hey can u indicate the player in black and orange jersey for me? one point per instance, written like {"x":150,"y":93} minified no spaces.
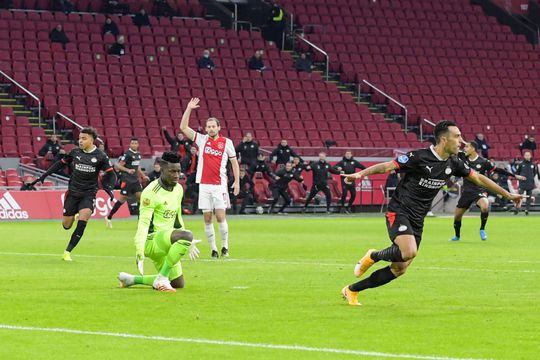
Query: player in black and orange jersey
{"x":130,"y":170}
{"x":424,"y":172}
{"x":472,"y":193}
{"x":87,"y":161}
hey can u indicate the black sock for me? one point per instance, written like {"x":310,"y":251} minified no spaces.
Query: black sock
{"x":483,"y":219}
{"x":76,"y":236}
{"x":392,"y":254}
{"x":378,"y":278}
{"x":457,"y":227}
{"x":116,"y":207}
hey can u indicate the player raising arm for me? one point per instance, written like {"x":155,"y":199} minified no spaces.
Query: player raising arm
{"x":424,"y":171}
{"x":86,"y":161}
{"x":161,"y":234}
{"x":214,"y":152}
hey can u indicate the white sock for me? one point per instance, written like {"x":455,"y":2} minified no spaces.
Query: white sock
{"x":210,"y":235}
{"x":224,"y":232}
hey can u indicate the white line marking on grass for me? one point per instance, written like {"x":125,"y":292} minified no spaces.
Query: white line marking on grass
{"x":283,"y":262}
{"x":240,"y":287}
{"x":232,"y":343}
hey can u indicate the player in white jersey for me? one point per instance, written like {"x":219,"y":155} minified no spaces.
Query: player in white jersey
{"x":214,"y":153}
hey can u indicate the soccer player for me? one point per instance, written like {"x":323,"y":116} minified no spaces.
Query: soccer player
{"x":161,"y":234}
{"x":279,"y":189}
{"x":130,"y":170}
{"x":529,"y":169}
{"x":214,"y":152}
{"x":86,"y":161}
{"x":348,"y":165}
{"x":424,"y":171}
{"x":473,"y":194}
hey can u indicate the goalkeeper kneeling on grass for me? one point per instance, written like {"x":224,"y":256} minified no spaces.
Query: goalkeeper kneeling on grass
{"x":161,"y":235}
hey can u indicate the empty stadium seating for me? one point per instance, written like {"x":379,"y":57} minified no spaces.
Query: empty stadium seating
{"x":442,"y":59}
{"x":148,"y":87}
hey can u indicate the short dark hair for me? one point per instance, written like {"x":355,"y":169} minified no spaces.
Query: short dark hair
{"x":169,"y":157}
{"x":474,"y":144}
{"x":442,"y":129}
{"x":90,"y":131}
{"x":214,"y":119}
{"x":134,"y":138}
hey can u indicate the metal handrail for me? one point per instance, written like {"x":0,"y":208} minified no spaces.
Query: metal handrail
{"x":301,"y":37}
{"x":73,"y":122}
{"x":26,"y":91}
{"x":422,"y":127}
{"x":390,"y":98}
{"x":236,"y":22}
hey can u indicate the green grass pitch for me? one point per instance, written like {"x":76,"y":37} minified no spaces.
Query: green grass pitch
{"x":278,"y":297}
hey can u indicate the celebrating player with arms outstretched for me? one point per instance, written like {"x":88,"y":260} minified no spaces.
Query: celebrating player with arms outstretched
{"x":472,"y":193}
{"x":161,"y":234}
{"x":87,"y":161}
{"x":425,"y":172}
{"x":214,"y":152}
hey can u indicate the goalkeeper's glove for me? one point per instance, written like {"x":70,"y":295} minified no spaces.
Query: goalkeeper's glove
{"x":139,"y":260}
{"x":194,"y":250}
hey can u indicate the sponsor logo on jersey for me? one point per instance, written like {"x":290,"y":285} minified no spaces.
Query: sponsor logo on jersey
{"x":10,"y":208}
{"x":402,"y":228}
{"x":94,"y":160}
{"x":448,"y":171}
{"x":146,"y":201}
{"x":210,"y":151}
{"x":403,"y":159}
{"x":432,"y":183}
{"x":85,"y":168}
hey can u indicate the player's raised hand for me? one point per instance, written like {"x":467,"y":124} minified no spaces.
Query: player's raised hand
{"x":193,"y":103}
{"x":350,"y":178}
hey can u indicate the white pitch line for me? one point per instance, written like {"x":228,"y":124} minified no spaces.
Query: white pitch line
{"x":283,"y":262}
{"x":233,"y":343}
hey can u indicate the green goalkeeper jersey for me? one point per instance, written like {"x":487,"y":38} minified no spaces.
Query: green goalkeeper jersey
{"x":159,"y":210}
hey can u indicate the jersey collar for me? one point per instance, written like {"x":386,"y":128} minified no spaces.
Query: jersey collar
{"x":130,"y":149}
{"x":476,"y":158}
{"x":432,"y":148}
{"x":91,"y":150}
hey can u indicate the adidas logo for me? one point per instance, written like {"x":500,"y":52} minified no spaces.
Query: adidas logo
{"x":10,"y":209}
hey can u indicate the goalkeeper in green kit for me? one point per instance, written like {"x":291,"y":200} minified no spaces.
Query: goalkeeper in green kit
{"x":161,"y":235}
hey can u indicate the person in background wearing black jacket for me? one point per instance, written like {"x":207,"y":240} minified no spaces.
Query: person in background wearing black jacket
{"x":110,"y":27}
{"x":279,"y":189}
{"x":162,"y":8}
{"x":529,"y":170}
{"x":246,"y":192}
{"x":141,"y":18}
{"x":113,"y":6}
{"x":52,"y":146}
{"x":528,"y":144}
{"x":484,"y":147}
{"x":303,"y":64}
{"x":58,"y":35}
{"x":283,"y":153}
{"x":260,"y":166}
{"x":156,"y":172}
{"x":205,"y":62}
{"x":118,"y":47}
{"x":256,"y":61}
{"x":348,"y":165}
{"x":320,"y":180}
{"x":180,"y":144}
{"x":247,"y":150}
